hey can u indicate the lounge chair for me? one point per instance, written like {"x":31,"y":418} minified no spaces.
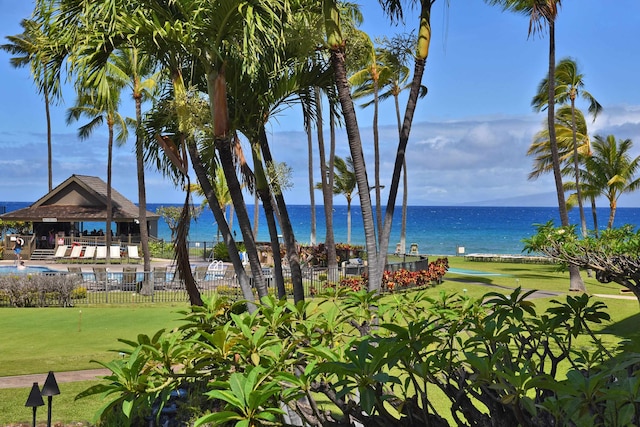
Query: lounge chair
{"x":215,"y":270}
{"x":414,"y":249}
{"x":100,"y":280}
{"x":114,"y":252}
{"x":129,"y":279}
{"x":76,"y":250}
{"x":75,"y":271}
{"x":200,"y":273}
{"x":60,"y":252}
{"x":89,"y":253}
{"x":101,"y":252}
{"x":132,"y":253}
{"x":159,"y":278}
{"x":229,"y":277}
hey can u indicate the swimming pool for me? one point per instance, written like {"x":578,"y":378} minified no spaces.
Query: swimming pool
{"x":471,"y":272}
{"x":32,"y":269}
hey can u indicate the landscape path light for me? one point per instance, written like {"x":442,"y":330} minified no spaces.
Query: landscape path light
{"x":34,"y":400}
{"x":50,"y":389}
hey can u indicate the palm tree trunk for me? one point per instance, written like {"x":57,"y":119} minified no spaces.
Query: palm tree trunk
{"x":49,"y":147}
{"x":142,"y":200}
{"x":109,"y":202}
{"x":312,"y":187}
{"x":264,"y":192}
{"x":287,"y":230}
{"x":424,"y":42}
{"x":349,"y":221}
{"x":216,"y":87}
{"x":332,"y":257}
{"x":226,"y":160}
{"x":355,"y":147}
{"x":575,"y":281}
{"x":376,"y":154}
{"x":613,"y":205}
{"x":326,"y":173}
{"x":181,"y":249}
{"x":576,"y":166}
{"x":223,"y":226}
{"x":256,"y":215}
{"x":400,"y":155}
{"x":405,"y":199}
{"x":405,"y":185}
{"x":594,"y":214}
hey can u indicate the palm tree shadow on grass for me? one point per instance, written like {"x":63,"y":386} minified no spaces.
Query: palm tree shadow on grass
{"x":626,"y":329}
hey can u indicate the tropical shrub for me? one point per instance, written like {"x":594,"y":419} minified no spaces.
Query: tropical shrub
{"x":496,"y":360}
{"x":40,"y":290}
{"x":613,"y":254}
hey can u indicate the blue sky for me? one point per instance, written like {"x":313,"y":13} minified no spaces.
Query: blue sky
{"x":470,"y":134}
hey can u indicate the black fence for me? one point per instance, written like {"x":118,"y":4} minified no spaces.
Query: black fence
{"x":163,"y":284}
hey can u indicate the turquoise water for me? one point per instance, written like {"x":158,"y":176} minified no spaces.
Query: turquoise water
{"x":9,"y":269}
{"x":471,"y":272}
{"x":435,"y":229}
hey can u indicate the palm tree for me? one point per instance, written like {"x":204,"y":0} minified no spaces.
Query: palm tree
{"x":540,"y":151}
{"x":221,"y":190}
{"x":544,"y":13}
{"x":394,"y":56}
{"x":335,"y":43}
{"x":136,"y":71}
{"x":569,"y":85}
{"x":610,"y":170}
{"x":99,"y":112}
{"x":33,"y":49}
{"x":365,"y":77}
{"x":423,"y":42}
{"x":345,"y":184}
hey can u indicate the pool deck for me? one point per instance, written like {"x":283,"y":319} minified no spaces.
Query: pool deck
{"x":114,"y":267}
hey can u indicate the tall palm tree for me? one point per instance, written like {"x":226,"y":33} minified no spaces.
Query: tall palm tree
{"x":540,"y":151}
{"x":137,"y":72}
{"x":335,"y":43}
{"x":542,"y":14}
{"x":422,"y":45}
{"x":99,"y":112}
{"x":369,"y":76}
{"x":569,"y":85}
{"x":32,"y":48}
{"x":394,"y":55}
{"x":611,"y":171}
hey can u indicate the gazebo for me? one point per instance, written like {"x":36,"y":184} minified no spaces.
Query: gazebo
{"x":64,"y":215}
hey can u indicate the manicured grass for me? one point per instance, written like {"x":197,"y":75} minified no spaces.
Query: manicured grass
{"x":64,"y":408}
{"x":36,"y":340}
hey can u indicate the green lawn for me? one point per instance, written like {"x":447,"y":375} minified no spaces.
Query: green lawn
{"x":36,"y":340}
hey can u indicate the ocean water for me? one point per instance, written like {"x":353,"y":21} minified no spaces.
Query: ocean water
{"x":435,"y":229}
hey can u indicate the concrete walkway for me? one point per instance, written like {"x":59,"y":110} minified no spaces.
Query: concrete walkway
{"x":26,"y":381}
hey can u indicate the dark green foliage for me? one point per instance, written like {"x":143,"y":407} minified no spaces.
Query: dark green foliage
{"x":496,"y":359}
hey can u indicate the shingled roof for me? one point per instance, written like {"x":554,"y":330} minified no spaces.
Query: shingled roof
{"x":79,"y":198}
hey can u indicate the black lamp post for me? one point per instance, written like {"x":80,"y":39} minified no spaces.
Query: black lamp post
{"x":50,"y":389}
{"x":34,"y":400}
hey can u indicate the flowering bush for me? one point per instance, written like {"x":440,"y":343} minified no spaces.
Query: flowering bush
{"x":402,"y":279}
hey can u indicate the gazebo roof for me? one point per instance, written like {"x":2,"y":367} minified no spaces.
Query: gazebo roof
{"x":79,"y":198}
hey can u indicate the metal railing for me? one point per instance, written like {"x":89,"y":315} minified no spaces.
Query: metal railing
{"x":163,"y":285}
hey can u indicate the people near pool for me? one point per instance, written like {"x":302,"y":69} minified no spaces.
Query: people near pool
{"x":17,"y":248}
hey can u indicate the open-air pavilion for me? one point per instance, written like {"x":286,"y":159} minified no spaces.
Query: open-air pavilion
{"x":75,"y":213}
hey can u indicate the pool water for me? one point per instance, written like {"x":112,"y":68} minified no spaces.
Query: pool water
{"x":471,"y":272}
{"x":12,"y":269}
